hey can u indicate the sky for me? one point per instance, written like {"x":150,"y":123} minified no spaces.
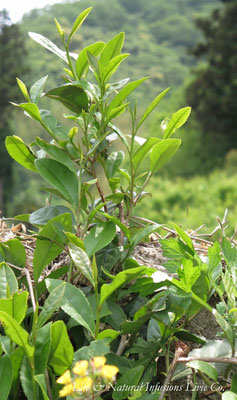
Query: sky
{"x":17,"y":8}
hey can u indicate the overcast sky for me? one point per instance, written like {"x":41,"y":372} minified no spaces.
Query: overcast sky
{"x":17,"y":8}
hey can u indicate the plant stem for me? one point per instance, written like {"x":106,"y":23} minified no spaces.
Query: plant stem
{"x":194,"y":392}
{"x":98,"y":185}
{"x":70,"y":271}
{"x":170,"y":373}
{"x":208,"y":382}
{"x":222,"y":360}
{"x":70,"y":62}
{"x":98,"y":310}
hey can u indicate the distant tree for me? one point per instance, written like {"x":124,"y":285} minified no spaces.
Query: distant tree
{"x":12,"y":65}
{"x":213,"y":93}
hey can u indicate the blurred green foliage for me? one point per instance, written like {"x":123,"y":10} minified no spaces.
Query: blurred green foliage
{"x":12,"y":63}
{"x":194,"y":201}
{"x":212,"y":94}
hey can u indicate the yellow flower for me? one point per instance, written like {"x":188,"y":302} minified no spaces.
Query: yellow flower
{"x":109,"y":371}
{"x":99,"y":361}
{"x":83,"y":384}
{"x":65,"y":378}
{"x":81,"y":368}
{"x":66,"y":390}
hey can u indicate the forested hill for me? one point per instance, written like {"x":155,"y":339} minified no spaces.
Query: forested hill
{"x":159,"y":35}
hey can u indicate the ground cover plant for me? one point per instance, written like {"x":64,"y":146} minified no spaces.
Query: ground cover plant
{"x":98,"y":324}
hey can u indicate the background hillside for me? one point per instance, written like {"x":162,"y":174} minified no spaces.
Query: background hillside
{"x":159,"y":37}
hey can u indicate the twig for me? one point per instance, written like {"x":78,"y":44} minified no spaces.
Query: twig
{"x":25,"y":270}
{"x":199,"y":228}
{"x":170,"y":373}
{"x":122,"y":219}
{"x":223,"y":360}
{"x":211,"y":392}
{"x":233,"y":236}
{"x":122,"y":345}
{"x":98,"y":184}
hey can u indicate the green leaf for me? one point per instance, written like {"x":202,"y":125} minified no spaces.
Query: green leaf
{"x":122,"y":277}
{"x":20,"y":152}
{"x":71,"y":96}
{"x":99,"y":237}
{"x":226,"y":327}
{"x":134,"y":326}
{"x":6,"y":376}
{"x":56,"y":153}
{"x":162,"y":153}
{"x":82,"y":60}
{"x":186,"y":239}
{"x":61,"y":351}
{"x":16,"y":333}
{"x":144,"y":286}
{"x":129,"y":88}
{"x":46,"y":250}
{"x":42,"y":348}
{"x":117,"y":222}
{"x":143,"y":150}
{"x":75,"y":240}
{"x":60,"y":177}
{"x":59,"y":28}
{"x":52,"y":303}
{"x":188,"y":274}
{"x":96,"y":348}
{"x":8,"y":282}
{"x":113,"y":163}
{"x":40,"y":379}
{"x":142,"y":233}
{"x":36,"y":89}
{"x":16,"y":359}
{"x":23,"y":89}
{"x":178,"y":119}
{"x":230,"y":252}
{"x":31,"y":109}
{"x":214,"y":256}
{"x":112,"y":66}
{"x":112,"y":49}
{"x":104,"y":309}
{"x":75,"y":304}
{"x":229,"y":396}
{"x":81,"y":261}
{"x":15,"y":306}
{"x":45,"y":214}
{"x":184,"y":335}
{"x":26,"y":379}
{"x":14,"y":252}
{"x":151,"y":107}
{"x":115,"y":112}
{"x":79,"y":21}
{"x":117,"y":315}
{"x":131,"y":377}
{"x":108,"y":333}
{"x":234,"y":384}
{"x":204,"y":367}
{"x":43,"y":41}
{"x":22,"y":217}
{"x":53,"y":191}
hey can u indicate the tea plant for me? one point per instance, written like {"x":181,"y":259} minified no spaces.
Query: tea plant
{"x":200,"y":279}
{"x":118,"y":311}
